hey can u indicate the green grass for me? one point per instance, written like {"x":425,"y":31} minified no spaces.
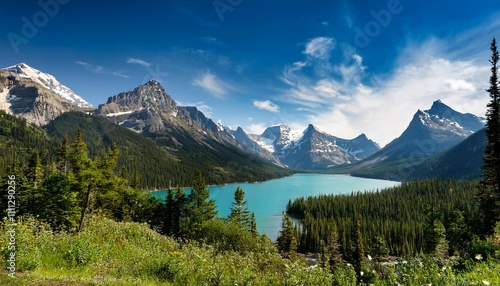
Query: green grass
{"x":117,"y":253}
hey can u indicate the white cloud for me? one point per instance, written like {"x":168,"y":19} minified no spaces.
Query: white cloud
{"x":256,"y":128}
{"x":319,"y":47}
{"x":340,"y":103}
{"x":100,"y":69}
{"x":138,"y":62}
{"x":383,"y":111}
{"x":266,"y":105}
{"x":212,"y":84}
{"x":201,"y":105}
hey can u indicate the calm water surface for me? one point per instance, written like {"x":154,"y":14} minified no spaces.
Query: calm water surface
{"x":268,"y":199}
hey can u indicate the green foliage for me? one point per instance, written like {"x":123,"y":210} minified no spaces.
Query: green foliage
{"x":227,"y":236}
{"x":239,"y":211}
{"x":286,"y":241}
{"x":396,"y":214}
{"x":158,"y":161}
{"x":488,"y":195}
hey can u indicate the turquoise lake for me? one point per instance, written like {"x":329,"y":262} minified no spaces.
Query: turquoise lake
{"x":268,"y":199}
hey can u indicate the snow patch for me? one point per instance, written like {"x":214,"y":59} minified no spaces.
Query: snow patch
{"x":4,"y":100}
{"x":266,"y":143}
{"x":119,"y":113}
{"x":49,"y":82}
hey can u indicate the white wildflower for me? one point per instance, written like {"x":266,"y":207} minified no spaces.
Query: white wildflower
{"x":486,"y":282}
{"x":479,"y":257}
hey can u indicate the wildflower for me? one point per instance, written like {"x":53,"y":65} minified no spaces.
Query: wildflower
{"x":479,"y":256}
{"x":369,"y":257}
{"x":486,"y":283}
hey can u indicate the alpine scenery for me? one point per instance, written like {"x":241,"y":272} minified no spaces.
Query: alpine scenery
{"x":249,"y":142}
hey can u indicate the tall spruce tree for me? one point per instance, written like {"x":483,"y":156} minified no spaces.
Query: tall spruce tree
{"x":286,"y":242}
{"x":253,"y":225}
{"x":359,"y":249}
{"x":239,"y":211}
{"x":200,"y":207}
{"x":489,"y":191}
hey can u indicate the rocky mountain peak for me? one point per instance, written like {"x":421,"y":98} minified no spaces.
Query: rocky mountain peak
{"x":150,"y":95}
{"x":26,"y":73}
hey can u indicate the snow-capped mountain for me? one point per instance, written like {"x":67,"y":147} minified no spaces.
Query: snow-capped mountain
{"x":149,"y":110}
{"x":27,"y":93}
{"x":429,"y":132}
{"x":49,"y":82}
{"x":314,"y":149}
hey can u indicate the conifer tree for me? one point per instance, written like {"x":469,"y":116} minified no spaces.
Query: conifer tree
{"x":286,"y":242}
{"x":239,"y":211}
{"x":359,"y":249}
{"x":200,"y":208}
{"x":169,"y":212}
{"x":179,"y":213}
{"x":380,"y":249}
{"x":63,"y":155}
{"x":489,"y":191}
{"x":253,"y":225}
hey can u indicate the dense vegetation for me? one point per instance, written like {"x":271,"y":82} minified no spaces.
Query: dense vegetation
{"x":396,"y":215}
{"x":152,"y":165}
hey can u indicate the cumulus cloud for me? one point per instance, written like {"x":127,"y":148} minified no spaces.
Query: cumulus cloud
{"x":266,"y":105}
{"x":138,"y":62}
{"x":212,"y":84}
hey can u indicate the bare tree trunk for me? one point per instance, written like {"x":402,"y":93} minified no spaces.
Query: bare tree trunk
{"x":85,"y":209}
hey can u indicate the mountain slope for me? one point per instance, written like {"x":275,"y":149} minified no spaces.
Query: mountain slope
{"x":463,"y":161}
{"x":47,"y":81}
{"x":30,"y":94}
{"x":314,"y":149}
{"x":430,"y":132}
{"x":187,"y":133}
{"x":160,"y":165}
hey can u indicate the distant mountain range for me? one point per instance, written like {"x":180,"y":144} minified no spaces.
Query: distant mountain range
{"x":185,"y":131}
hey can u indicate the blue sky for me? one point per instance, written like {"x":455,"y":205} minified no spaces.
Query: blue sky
{"x":349,"y":67}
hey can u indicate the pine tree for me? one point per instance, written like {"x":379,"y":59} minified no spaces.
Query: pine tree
{"x":239,"y":211}
{"x":179,"y":213}
{"x":489,"y":191}
{"x":359,"y":249}
{"x":200,"y":208}
{"x":286,"y":241}
{"x":63,"y":155}
{"x":253,"y":225}
{"x":169,"y":213}
{"x":380,"y":249}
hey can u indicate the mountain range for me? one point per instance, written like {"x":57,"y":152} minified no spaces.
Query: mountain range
{"x":185,"y":132}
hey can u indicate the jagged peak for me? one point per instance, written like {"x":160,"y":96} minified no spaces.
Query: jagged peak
{"x":438,"y":106}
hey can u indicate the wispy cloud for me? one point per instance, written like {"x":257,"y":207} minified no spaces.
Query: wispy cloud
{"x":138,"y":62}
{"x":98,"y":69}
{"x":212,"y":84}
{"x":346,"y":105}
{"x":266,"y":105}
{"x":212,"y":41}
{"x":201,"y":105}
{"x":384,"y":109}
{"x":319,"y":47}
